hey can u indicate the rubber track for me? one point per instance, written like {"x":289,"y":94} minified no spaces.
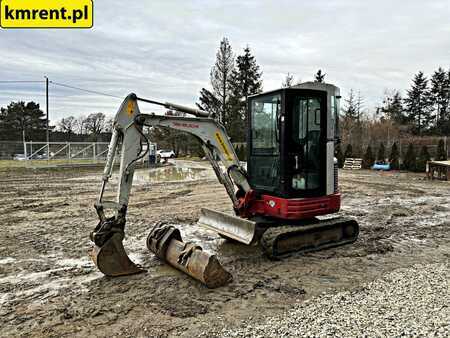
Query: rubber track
{"x":270,"y":236}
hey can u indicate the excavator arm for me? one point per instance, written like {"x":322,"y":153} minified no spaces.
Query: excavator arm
{"x":129,"y":137}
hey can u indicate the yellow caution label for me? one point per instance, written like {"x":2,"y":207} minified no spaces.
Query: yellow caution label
{"x":225,"y":150}
{"x":46,"y":13}
{"x":130,"y":108}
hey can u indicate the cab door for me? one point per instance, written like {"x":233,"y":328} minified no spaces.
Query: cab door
{"x":264,"y":147}
{"x":305,"y":136}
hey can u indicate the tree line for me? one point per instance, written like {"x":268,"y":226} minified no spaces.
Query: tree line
{"x":411,"y":160}
{"x":25,"y":121}
{"x":424,"y":111}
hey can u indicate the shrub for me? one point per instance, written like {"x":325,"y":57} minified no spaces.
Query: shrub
{"x":409,"y":162}
{"x":339,"y":155}
{"x":381,"y":156}
{"x":368,"y":158}
{"x":441,"y":153}
{"x":348,"y":151}
{"x":394,"y":157}
{"x":424,"y":157}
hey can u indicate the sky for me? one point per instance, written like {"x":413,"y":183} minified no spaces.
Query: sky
{"x":164,"y":50}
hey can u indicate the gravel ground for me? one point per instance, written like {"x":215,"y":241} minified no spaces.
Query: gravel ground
{"x":408,"y":302}
{"x":49,"y":286}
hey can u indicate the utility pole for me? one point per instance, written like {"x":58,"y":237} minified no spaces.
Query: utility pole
{"x":46,"y":104}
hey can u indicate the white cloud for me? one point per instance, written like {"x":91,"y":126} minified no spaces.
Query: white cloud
{"x":165,"y":49}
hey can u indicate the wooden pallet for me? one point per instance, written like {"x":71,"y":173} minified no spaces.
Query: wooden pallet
{"x":439,"y":170}
{"x":353,"y":163}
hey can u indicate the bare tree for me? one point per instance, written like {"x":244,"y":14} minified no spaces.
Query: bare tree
{"x":68,"y":125}
{"x":109,"y":124}
{"x":95,"y":123}
{"x":79,"y":125}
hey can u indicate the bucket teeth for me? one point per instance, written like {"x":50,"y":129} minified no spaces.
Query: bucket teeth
{"x":112,"y":260}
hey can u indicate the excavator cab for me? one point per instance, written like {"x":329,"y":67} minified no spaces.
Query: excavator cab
{"x":291,"y":140}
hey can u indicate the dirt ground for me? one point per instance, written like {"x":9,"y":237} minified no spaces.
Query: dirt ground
{"x":50,"y":288}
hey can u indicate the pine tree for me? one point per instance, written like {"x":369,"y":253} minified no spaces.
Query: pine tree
{"x":393,"y":108}
{"x":394,"y":157}
{"x":319,"y":77}
{"x":221,"y":81}
{"x":209,"y":102}
{"x":348,"y":151}
{"x":381,"y":155}
{"x":288,"y":81}
{"x":410,"y":159}
{"x":440,"y":83}
{"x":245,"y":81}
{"x":339,"y":155}
{"x":441,"y":153}
{"x":350,"y":109}
{"x":424,"y":157}
{"x":22,"y":121}
{"x":368,"y":159}
{"x":419,"y":105}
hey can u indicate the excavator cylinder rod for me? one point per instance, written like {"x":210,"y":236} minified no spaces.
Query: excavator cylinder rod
{"x":166,"y":243}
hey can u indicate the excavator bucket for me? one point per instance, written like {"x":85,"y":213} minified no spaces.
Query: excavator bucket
{"x":229,"y":226}
{"x":112,"y":260}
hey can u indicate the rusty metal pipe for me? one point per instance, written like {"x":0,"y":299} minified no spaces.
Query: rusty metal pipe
{"x":166,"y":243}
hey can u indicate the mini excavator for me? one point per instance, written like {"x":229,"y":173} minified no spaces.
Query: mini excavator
{"x":283,"y":200}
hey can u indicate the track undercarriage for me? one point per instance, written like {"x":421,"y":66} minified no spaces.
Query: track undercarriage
{"x":282,"y":238}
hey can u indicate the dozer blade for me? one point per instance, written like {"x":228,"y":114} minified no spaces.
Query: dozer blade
{"x":112,"y":260}
{"x":320,"y":234}
{"x":239,"y":229}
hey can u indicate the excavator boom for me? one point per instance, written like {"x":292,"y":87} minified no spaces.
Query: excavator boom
{"x":109,"y":254}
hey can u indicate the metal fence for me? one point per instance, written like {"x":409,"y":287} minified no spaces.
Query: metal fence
{"x":43,"y":153}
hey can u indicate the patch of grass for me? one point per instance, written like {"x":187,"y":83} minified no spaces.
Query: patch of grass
{"x":43,"y":163}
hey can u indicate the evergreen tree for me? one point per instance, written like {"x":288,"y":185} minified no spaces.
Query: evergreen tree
{"x":209,"y":102}
{"x":348,"y":151}
{"x":241,"y":152}
{"x":220,"y":76}
{"x":350,"y":109}
{"x":419,"y":105}
{"x":410,"y":159}
{"x":288,"y":81}
{"x":368,"y":158}
{"x":394,"y":157}
{"x":339,"y":155}
{"x":359,"y":106}
{"x":245,"y":81}
{"x":441,"y":152}
{"x":22,"y":121}
{"x":381,"y":156}
{"x":393,"y":108}
{"x":424,"y":157}
{"x":440,"y":83}
{"x":319,"y":77}
{"x":351,"y":121}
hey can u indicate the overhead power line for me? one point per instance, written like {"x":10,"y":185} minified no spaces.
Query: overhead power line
{"x":84,"y":90}
{"x":22,"y":81}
